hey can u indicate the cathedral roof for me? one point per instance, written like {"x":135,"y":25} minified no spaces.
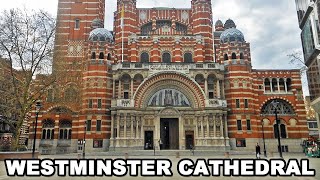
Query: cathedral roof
{"x":97,"y":23}
{"x":100,"y":34}
{"x":231,"y":33}
{"x":229,"y":24}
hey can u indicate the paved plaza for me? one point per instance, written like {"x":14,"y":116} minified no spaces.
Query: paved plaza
{"x":314,"y":164}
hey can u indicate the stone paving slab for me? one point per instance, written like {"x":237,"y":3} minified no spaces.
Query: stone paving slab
{"x":314,"y":164}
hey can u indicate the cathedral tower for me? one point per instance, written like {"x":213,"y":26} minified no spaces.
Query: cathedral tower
{"x":202,"y":25}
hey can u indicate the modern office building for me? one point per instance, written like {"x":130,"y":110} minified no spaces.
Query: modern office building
{"x":308,"y":17}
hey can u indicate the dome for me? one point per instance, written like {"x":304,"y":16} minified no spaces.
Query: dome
{"x":229,"y":24}
{"x":100,"y":34}
{"x":219,"y":23}
{"x":232,"y":35}
{"x":219,"y":26}
{"x":97,"y":23}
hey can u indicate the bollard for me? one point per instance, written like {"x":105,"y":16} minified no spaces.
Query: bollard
{"x":177,"y":155}
{"x":126,"y":155}
{"x":226,"y":155}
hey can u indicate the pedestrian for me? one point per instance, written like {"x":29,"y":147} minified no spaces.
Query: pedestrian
{"x":160,"y":144}
{"x":258,"y":151}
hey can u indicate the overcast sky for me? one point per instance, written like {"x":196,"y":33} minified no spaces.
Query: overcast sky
{"x":270,"y":26}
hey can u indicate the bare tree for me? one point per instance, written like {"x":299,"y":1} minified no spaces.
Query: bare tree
{"x":27,"y":44}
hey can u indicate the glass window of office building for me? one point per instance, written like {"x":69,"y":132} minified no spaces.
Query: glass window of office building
{"x":302,"y":6}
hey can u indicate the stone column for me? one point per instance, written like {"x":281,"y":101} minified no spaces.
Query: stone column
{"x":218,"y":89}
{"x":114,"y":89}
{"x":285,"y":85}
{"x":208,"y":127}
{"x":118,"y":126}
{"x":206,"y":87}
{"x":112,"y":128}
{"x":222,"y":87}
{"x":226,"y":127}
{"x":271,"y":89}
{"x":131,"y":97}
{"x":214,"y":127}
{"x":137,"y":127}
{"x":119,"y":90}
{"x":142,"y":123}
{"x":125,"y":127}
{"x":221,"y":127}
{"x":181,"y":133}
{"x":197,"y":128}
{"x":202,"y":132}
{"x":131,"y":119}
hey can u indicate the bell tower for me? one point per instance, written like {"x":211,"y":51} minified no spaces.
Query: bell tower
{"x":202,"y":25}
{"x":74,"y":21}
{"x":125,"y":24}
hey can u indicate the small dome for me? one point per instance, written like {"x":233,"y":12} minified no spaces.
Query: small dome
{"x":219,"y":23}
{"x":219,"y":26}
{"x":97,"y":23}
{"x":229,"y":24}
{"x":100,"y":34}
{"x":232,"y":35}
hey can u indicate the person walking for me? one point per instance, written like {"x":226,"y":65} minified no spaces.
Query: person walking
{"x":160,"y":144}
{"x":258,"y":151}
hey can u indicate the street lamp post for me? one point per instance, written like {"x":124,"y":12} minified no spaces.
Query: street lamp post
{"x":274,"y":103}
{"x":38,"y":106}
{"x":264,"y":143}
{"x":84,"y":141}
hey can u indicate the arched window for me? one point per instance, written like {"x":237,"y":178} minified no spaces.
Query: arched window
{"x":226,"y":57}
{"x":274,"y":85}
{"x":144,"y":57}
{"x":101,"y":55}
{"x":211,"y":81}
{"x":234,"y":56}
{"x":199,"y":79}
{"x":282,"y":107}
{"x":109,"y":56}
{"x":166,"y":57}
{"x":126,"y":79}
{"x":241,"y":56}
{"x":281,"y":84}
{"x":93,"y":55}
{"x":65,"y":127}
{"x":138,"y":78}
{"x":267,"y":87}
{"x":44,"y":132}
{"x":187,"y":57}
{"x":283,"y":131}
{"x":47,"y":129}
{"x":289,"y":84}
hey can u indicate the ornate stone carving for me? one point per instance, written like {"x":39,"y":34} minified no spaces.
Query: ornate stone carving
{"x":155,"y":68}
{"x":168,"y":97}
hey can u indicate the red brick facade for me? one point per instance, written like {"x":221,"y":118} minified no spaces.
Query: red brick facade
{"x":170,"y":70}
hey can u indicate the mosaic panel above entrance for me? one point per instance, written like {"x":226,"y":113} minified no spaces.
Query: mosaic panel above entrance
{"x":169,"y":97}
